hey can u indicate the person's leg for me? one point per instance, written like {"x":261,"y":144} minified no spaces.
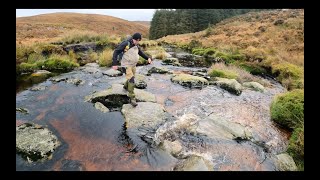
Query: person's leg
{"x":134,"y":71}
{"x":125,"y":86}
{"x":124,"y":70}
{"x":130,"y":71}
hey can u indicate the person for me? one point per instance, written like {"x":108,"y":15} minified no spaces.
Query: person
{"x":130,"y":52}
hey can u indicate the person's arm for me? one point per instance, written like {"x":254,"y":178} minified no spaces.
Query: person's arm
{"x":117,"y":51}
{"x":142,"y":54}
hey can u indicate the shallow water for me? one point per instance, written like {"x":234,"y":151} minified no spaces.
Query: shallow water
{"x":92,"y":140}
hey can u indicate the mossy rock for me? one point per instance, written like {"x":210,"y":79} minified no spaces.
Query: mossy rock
{"x":160,"y":70}
{"x":285,"y":162}
{"x":140,"y":81}
{"x":189,"y":80}
{"x":170,"y":60}
{"x":231,"y":85}
{"x":288,"y":109}
{"x":35,"y":142}
{"x":254,"y":85}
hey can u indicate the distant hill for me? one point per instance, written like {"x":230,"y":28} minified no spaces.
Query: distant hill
{"x":50,"y":26}
{"x":145,"y":23}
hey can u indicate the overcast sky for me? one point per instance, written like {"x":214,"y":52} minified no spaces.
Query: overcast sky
{"x":127,"y":14}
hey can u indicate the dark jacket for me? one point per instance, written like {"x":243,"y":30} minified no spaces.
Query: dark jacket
{"x":120,"y":50}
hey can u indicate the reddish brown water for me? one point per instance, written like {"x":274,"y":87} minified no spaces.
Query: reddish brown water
{"x":96,"y":141}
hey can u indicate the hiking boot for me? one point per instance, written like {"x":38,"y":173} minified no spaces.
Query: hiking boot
{"x":133,"y":102}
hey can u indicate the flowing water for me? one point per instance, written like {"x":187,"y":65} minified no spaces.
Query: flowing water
{"x":96,"y":141}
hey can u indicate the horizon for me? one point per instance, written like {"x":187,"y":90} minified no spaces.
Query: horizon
{"x":126,"y":14}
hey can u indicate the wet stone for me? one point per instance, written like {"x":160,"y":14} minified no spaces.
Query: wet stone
{"x":35,"y":142}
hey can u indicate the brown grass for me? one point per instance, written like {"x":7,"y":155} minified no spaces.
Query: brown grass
{"x":156,"y":52}
{"x":105,"y":58}
{"x":144,"y":23}
{"x":49,"y":27}
{"x":255,"y":30}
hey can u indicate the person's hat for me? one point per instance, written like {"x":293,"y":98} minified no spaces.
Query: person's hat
{"x":136,"y":36}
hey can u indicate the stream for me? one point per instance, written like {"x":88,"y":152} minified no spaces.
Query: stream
{"x":95,"y":141}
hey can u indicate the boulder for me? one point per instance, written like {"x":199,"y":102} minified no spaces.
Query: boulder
{"x":35,"y":142}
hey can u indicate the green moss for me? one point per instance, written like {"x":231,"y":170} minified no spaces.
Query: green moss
{"x":223,"y":74}
{"x":237,"y":57}
{"x":34,"y":57}
{"x":36,"y":52}
{"x":252,"y":68}
{"x":198,"y":51}
{"x":207,"y":52}
{"x":296,"y":147}
{"x":219,"y":54}
{"x":287,"y":70}
{"x":55,"y":63}
{"x":184,"y":46}
{"x":227,"y":58}
{"x":290,"y":75}
{"x":288,"y":109}
{"x":26,"y":68}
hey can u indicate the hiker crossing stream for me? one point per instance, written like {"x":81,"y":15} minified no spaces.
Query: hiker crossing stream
{"x":183,"y":121}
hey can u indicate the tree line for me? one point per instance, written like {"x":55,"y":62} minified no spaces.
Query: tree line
{"x":180,"y":21}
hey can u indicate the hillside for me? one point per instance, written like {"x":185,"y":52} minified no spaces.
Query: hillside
{"x":144,"y":23}
{"x":270,"y":39}
{"x":269,"y":32}
{"x":51,"y":26}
